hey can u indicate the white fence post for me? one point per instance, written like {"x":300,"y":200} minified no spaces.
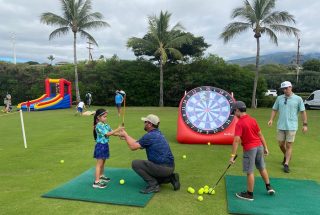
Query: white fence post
{"x":23,"y":132}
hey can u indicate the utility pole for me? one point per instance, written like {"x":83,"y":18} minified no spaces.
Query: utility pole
{"x":298,"y":60}
{"x":89,"y":49}
{"x":13,"y":40}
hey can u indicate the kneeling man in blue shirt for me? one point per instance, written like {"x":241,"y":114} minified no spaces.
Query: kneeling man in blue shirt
{"x":159,"y":168}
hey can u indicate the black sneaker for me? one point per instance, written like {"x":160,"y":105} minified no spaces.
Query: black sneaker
{"x":99,"y":184}
{"x":286,"y":168}
{"x":150,"y":189}
{"x":270,"y":190}
{"x":104,"y":179}
{"x":174,"y":180}
{"x":245,"y":196}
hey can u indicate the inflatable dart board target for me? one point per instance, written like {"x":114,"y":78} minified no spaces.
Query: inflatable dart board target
{"x":205,"y":115}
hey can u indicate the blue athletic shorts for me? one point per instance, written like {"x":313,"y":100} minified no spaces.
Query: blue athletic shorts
{"x":101,"y":151}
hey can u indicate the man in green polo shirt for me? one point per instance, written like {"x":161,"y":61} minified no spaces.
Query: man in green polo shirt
{"x":289,"y":106}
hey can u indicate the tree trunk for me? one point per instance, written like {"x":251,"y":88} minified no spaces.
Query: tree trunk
{"x":161,"y":84}
{"x":256,"y":78}
{"x":75,"y":67}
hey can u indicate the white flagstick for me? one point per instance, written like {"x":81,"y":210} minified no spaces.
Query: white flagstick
{"x":23,"y":133}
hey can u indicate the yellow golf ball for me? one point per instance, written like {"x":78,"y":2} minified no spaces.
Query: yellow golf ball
{"x":184,"y":156}
{"x":61,"y":161}
{"x":121,"y":181}
{"x":212,"y":192}
{"x":191,"y":190}
{"x":206,"y":187}
{"x":209,"y":143}
{"x":200,"y":191}
{"x":200,"y":198}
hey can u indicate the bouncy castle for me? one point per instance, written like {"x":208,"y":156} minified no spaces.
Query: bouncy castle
{"x":57,"y":96}
{"x":205,"y":117}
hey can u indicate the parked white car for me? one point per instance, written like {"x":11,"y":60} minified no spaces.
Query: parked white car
{"x":313,"y":101}
{"x":271,"y":93}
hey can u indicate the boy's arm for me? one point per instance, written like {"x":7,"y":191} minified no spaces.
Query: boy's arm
{"x":264,"y":143}
{"x":235,"y":144}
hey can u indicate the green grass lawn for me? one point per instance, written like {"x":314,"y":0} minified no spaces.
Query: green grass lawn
{"x":26,"y":174}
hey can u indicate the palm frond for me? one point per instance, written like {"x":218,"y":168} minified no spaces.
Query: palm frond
{"x":285,"y":29}
{"x":68,"y":9}
{"x":234,"y":29}
{"x":266,"y":7}
{"x":279,"y":17}
{"x":246,"y":13}
{"x":94,"y":24}
{"x":177,"y":42}
{"x":91,"y":17}
{"x":85,"y":9}
{"x":178,"y":26}
{"x":175,"y":53}
{"x":85,"y":34}
{"x":152,"y":28}
{"x":141,"y":43}
{"x":58,"y":32}
{"x":53,"y":19}
{"x":271,"y":34}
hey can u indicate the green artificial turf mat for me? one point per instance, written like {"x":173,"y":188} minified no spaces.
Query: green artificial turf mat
{"x":80,"y":188}
{"x":292,"y":196}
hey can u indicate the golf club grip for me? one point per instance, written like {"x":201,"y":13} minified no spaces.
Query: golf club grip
{"x":235,"y":157}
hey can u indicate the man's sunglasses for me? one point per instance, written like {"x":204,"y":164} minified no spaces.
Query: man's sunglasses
{"x":285,"y":100}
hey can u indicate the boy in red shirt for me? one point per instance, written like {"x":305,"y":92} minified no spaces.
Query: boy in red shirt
{"x":248,"y":133}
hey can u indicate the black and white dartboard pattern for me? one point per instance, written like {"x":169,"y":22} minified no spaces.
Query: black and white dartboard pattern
{"x":207,"y":109}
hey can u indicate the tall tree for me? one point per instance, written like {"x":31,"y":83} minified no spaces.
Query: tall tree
{"x":160,"y":42}
{"x":260,"y":17}
{"x":77,"y":17}
{"x":51,"y":58}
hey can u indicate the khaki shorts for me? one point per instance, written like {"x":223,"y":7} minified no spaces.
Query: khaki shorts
{"x":286,"y":136}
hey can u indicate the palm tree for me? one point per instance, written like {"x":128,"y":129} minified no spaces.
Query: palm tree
{"x":262,"y":20}
{"x":51,"y":58}
{"x":78,"y":18}
{"x":161,"y":42}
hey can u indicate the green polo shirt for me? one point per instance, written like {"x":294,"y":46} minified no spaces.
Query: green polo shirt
{"x":288,"y":111}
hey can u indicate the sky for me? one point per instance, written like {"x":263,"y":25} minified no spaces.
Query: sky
{"x":21,"y":30}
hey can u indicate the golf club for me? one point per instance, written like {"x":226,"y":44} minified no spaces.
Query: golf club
{"x":235,"y":157}
{"x":124,"y":109}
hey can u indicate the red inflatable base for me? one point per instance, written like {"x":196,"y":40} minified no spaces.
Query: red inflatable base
{"x":188,"y":136}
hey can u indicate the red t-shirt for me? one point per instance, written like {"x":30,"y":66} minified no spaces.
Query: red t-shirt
{"x":247,"y":129}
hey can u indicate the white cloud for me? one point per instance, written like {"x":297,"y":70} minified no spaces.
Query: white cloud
{"x":128,"y":18}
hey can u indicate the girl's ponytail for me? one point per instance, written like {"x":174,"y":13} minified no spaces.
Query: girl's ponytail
{"x":98,"y":113}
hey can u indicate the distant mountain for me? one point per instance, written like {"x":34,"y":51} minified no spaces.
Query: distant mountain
{"x":276,"y":58}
